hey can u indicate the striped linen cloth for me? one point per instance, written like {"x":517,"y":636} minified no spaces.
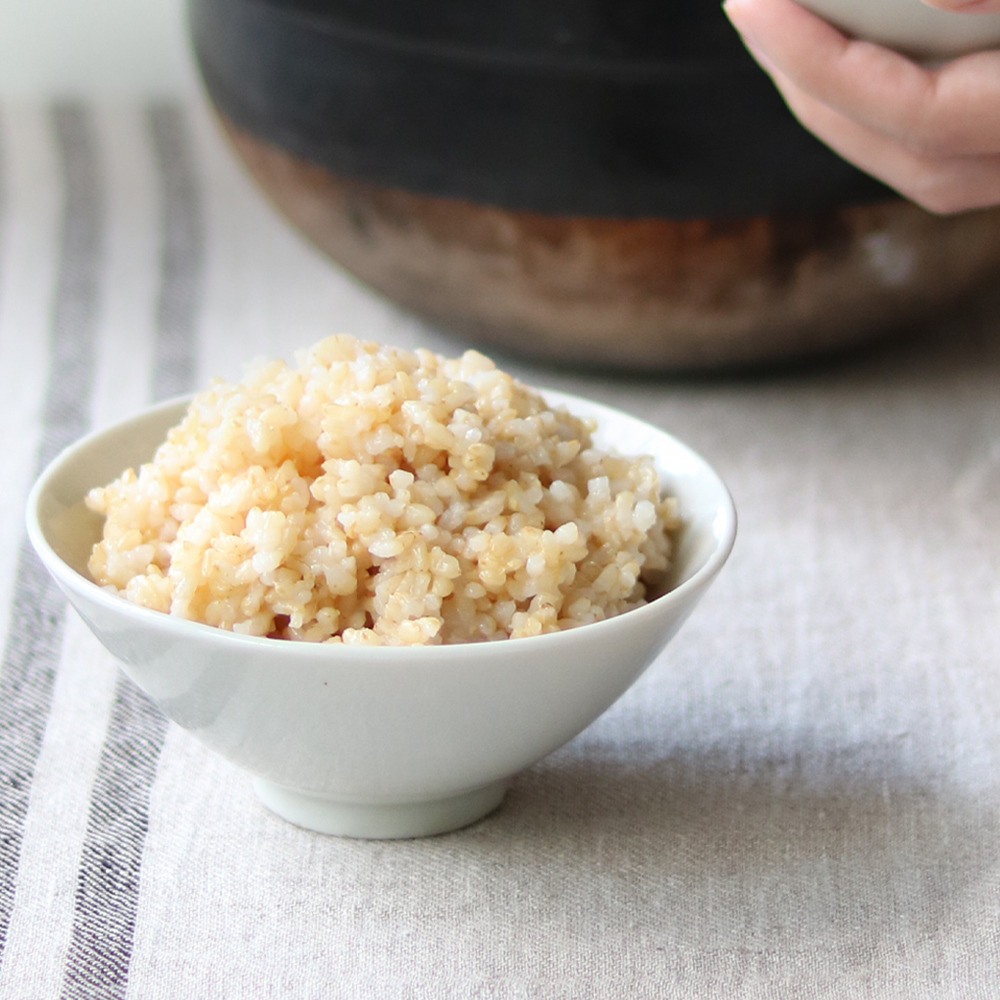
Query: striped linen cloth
{"x":801,"y":799}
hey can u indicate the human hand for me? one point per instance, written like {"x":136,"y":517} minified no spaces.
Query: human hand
{"x":930,"y":132}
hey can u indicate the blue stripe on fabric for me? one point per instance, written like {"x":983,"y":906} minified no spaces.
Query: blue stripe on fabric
{"x":108,"y":882}
{"x":37,"y":612}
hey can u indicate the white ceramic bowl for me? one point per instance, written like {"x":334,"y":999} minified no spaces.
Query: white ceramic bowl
{"x":911,"y":26}
{"x":377,"y":741}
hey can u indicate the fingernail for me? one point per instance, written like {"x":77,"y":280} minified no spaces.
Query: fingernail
{"x":733,"y":7}
{"x":761,"y":57}
{"x":734,"y":10}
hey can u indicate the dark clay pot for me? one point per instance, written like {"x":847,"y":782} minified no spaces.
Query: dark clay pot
{"x":598,"y":183}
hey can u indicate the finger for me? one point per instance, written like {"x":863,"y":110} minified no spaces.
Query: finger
{"x":953,"y":108}
{"x":942,"y":185}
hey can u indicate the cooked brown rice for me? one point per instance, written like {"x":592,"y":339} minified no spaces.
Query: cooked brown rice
{"x":382,"y":496}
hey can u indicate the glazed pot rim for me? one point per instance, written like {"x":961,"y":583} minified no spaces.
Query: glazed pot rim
{"x":537,"y":58}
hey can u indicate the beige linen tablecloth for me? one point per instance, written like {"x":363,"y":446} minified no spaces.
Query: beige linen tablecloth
{"x":801,"y":798}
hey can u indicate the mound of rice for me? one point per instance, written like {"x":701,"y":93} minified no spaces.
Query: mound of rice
{"x":382,"y":496}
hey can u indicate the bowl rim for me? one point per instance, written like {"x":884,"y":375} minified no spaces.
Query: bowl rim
{"x":723,"y":520}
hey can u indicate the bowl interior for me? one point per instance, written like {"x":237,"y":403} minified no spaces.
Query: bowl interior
{"x":58,"y":519}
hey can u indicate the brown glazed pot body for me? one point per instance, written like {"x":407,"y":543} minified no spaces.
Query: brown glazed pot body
{"x":637,"y":294}
{"x":684,"y":258}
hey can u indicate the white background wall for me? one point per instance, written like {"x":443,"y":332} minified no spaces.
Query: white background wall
{"x":107,"y":48}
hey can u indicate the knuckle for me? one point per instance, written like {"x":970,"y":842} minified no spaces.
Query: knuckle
{"x":943,"y":205}
{"x":929,"y":133}
{"x":939,"y":137}
{"x":941,"y":196}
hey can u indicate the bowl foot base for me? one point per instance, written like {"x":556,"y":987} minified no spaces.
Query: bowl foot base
{"x":379,"y":820}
